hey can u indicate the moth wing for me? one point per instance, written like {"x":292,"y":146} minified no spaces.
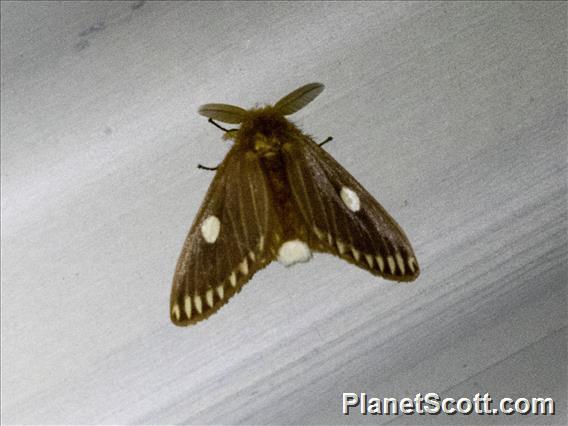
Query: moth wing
{"x":345,"y":220}
{"x":299,"y":98}
{"x":230,"y":239}
{"x":223,"y":112}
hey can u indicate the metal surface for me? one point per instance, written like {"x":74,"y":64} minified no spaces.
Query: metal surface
{"x":452,"y":114}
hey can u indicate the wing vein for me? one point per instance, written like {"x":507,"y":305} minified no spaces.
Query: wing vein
{"x":310,"y":216}
{"x":235,"y":234}
{"x":317,"y":196}
{"x":254,"y":207}
{"x":266,"y":208}
{"x":242,"y":210}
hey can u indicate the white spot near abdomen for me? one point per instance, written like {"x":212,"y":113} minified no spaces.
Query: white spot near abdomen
{"x":350,"y":198}
{"x":294,"y":251}
{"x":210,"y":229}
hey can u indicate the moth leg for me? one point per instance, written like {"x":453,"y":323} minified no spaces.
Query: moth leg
{"x":328,"y":139}
{"x":221,"y":127}
{"x":201,"y":166}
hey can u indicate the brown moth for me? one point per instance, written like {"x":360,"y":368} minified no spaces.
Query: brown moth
{"x":278,"y":195}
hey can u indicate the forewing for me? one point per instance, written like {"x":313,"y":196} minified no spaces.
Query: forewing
{"x":358,"y":229}
{"x":214,"y":265}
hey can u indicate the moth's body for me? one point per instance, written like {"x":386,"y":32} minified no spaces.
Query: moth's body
{"x":265,"y":137}
{"x":279,"y":196}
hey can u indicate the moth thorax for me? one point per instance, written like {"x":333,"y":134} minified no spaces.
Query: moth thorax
{"x":266,"y":145}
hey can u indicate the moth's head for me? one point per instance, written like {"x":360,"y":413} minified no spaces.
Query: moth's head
{"x":289,"y":104}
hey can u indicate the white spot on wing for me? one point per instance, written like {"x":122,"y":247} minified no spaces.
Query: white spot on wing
{"x":197,"y":303}
{"x":381,"y":263}
{"x":210,"y":229}
{"x":340,"y":247}
{"x":350,"y":198}
{"x":412,"y":264}
{"x":369,"y":260}
{"x":175,"y":311}
{"x":330,"y":239}
{"x":233,"y":279}
{"x":244,"y":267}
{"x":400,"y":262}
{"x":221,"y":292}
{"x":209,"y":297}
{"x":356,"y":253}
{"x":294,"y":251}
{"x":391,"y":263}
{"x":187,"y":306}
{"x":261,"y":244}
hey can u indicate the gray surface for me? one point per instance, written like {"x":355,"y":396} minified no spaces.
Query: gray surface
{"x":452,"y":114}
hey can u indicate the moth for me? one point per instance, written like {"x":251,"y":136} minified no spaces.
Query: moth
{"x":278,"y":195}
